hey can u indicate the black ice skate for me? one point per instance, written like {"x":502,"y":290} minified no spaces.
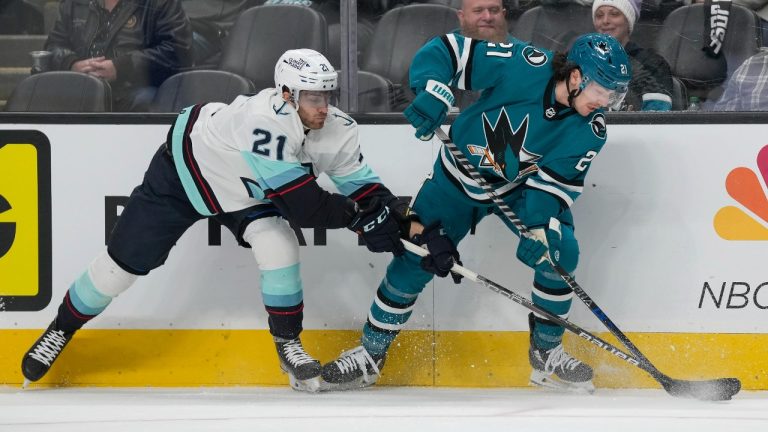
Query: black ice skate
{"x":40,"y":357}
{"x":303,"y":370}
{"x":555,"y":368}
{"x":354,"y":369}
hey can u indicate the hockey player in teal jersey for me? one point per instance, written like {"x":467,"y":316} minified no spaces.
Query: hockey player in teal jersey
{"x":533,"y":135}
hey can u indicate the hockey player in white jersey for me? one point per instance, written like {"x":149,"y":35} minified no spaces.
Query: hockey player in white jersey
{"x":251,"y":165}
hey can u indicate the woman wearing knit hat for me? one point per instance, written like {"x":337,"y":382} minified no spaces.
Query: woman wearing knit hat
{"x":651,"y":85}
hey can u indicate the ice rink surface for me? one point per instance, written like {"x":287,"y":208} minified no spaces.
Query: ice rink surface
{"x":392,"y":409}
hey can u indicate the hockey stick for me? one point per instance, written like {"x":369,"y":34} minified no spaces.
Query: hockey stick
{"x":717,"y":389}
{"x":714,"y":390}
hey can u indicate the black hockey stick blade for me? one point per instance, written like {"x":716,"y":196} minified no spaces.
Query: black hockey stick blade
{"x":721,"y":389}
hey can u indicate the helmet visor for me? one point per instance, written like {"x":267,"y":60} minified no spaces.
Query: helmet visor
{"x":611,"y":99}
{"x":314,"y":99}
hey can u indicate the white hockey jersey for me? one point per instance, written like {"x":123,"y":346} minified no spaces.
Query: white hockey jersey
{"x":227,"y":156}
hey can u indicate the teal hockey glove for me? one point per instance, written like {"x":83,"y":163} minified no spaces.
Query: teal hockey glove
{"x":428,"y":110}
{"x":542,"y":247}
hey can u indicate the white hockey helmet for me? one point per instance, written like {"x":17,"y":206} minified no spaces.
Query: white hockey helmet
{"x":304,"y":69}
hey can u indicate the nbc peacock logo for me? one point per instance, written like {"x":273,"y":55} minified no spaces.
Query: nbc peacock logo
{"x":750,"y":220}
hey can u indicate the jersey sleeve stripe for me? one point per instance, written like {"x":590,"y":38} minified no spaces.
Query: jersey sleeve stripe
{"x":350,"y":183}
{"x":468,"y":68}
{"x":195,"y":185}
{"x":308,"y":178}
{"x":362,"y":194}
{"x":452,"y":47}
{"x":463,"y":83}
{"x":551,"y":189}
{"x":551,"y":177}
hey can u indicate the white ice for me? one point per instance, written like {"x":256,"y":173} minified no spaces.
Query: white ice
{"x":391,"y":409}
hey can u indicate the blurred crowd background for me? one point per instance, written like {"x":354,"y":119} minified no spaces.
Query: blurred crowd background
{"x":162,"y":55}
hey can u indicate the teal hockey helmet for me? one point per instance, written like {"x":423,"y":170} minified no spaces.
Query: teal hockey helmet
{"x":602,"y":60}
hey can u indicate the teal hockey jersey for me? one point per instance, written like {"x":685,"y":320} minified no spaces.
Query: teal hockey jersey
{"x":516,"y":134}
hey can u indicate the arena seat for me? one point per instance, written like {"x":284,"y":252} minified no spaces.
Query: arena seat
{"x":199,"y":86}
{"x":61,"y":91}
{"x":554,"y":26}
{"x":397,"y":37}
{"x":679,"y":95}
{"x":263,"y":33}
{"x":682,"y":37}
{"x":374,"y":92}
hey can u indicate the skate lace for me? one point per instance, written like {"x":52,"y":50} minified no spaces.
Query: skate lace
{"x":558,"y":357}
{"x":295,"y":353}
{"x":357,"y":358}
{"x":49,"y":347}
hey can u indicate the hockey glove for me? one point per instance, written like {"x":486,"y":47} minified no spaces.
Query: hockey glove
{"x":442,"y":252}
{"x":428,"y":110}
{"x":542,"y":247}
{"x":379,"y":230}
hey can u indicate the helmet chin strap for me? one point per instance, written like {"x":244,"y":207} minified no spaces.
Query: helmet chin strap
{"x":572,"y":94}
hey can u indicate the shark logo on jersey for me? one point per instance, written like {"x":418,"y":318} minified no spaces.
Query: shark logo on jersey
{"x":500,"y":136}
{"x":598,"y":125}
{"x":533,"y":56}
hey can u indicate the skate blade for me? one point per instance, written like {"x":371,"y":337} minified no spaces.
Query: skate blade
{"x":26,"y":384}
{"x":549,"y":381}
{"x":311,"y":385}
{"x":357,"y":384}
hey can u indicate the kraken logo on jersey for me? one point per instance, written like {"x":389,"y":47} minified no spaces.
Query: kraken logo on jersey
{"x":348,"y":120}
{"x":500,"y":136}
{"x":533,"y":56}
{"x":598,"y":125}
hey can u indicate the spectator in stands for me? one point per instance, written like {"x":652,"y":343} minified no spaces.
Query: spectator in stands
{"x":747,"y":89}
{"x":133,"y":44}
{"x":483,"y":19}
{"x":651,"y":85}
{"x":486,"y":20}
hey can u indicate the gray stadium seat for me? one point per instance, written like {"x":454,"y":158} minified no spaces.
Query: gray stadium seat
{"x":397,"y":37}
{"x":61,"y":91}
{"x":682,"y":37}
{"x":554,"y":26}
{"x":263,"y":33}
{"x":679,"y":95}
{"x":199,"y":86}
{"x":374,"y":92}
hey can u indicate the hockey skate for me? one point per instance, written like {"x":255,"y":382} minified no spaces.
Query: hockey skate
{"x":354,"y":369}
{"x":40,"y":357}
{"x":303,"y":370}
{"x":556,"y":369}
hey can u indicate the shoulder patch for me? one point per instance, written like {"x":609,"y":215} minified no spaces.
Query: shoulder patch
{"x":533,"y":56}
{"x":598,"y":125}
{"x":347,"y":121}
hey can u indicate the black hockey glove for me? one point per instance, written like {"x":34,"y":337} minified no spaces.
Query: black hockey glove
{"x":378,"y":228}
{"x":442,"y":252}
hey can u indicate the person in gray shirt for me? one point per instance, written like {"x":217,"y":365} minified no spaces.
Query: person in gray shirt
{"x":747,"y":90}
